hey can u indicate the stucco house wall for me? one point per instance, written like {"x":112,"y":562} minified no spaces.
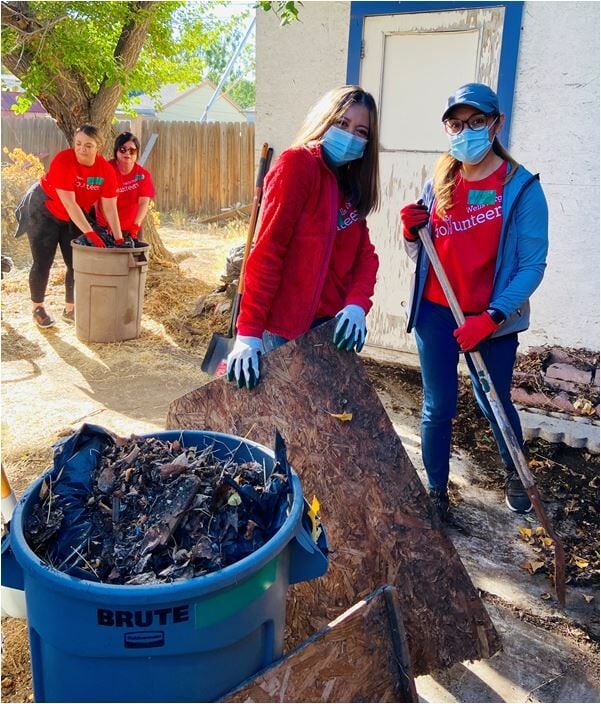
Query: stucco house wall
{"x":296,"y":65}
{"x":554,"y":131}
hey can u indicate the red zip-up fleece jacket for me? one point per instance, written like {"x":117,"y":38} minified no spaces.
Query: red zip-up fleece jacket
{"x":286,"y":269}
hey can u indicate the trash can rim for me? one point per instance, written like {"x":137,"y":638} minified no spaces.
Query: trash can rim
{"x":111,"y":250}
{"x":193,"y":587}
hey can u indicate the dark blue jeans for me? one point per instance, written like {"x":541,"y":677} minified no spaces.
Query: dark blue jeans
{"x":439,"y":357}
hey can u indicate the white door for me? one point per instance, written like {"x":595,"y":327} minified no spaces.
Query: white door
{"x":411,"y":63}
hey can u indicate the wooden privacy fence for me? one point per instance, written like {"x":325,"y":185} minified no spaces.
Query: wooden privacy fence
{"x":199,"y":169}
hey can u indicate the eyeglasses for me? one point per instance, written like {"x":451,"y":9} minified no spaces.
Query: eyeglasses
{"x":128,"y":150}
{"x":479,"y":121}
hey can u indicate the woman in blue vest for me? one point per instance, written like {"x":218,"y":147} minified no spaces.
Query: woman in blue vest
{"x":488,"y":219}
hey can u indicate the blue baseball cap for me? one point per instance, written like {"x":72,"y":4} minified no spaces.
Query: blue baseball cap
{"x":477,"y":95}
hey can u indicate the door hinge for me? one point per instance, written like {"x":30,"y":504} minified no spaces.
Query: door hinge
{"x":362,"y":50}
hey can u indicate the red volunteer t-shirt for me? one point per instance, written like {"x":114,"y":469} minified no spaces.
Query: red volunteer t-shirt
{"x":89,"y":183}
{"x":467,"y":241}
{"x":346,"y":245}
{"x":136,"y":184}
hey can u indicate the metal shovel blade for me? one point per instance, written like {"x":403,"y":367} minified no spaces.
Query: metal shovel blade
{"x":217,"y":351}
{"x":221,"y":345}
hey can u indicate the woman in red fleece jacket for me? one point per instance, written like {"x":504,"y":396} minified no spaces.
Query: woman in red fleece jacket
{"x":313,"y":259}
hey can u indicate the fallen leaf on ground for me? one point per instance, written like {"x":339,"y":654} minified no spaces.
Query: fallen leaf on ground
{"x":532,"y":565}
{"x":584,"y":406}
{"x":345,"y":417}
{"x":587,"y":598}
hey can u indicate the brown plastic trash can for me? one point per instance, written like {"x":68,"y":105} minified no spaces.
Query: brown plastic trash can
{"x":109,"y":292}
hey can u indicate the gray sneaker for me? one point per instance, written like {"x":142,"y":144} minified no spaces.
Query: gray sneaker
{"x":68,"y":315}
{"x":516,"y":498}
{"x":41,"y":318}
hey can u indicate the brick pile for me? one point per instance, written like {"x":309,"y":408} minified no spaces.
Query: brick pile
{"x":558,"y":379}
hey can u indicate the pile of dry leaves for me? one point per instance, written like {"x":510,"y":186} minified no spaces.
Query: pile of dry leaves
{"x":157,"y":512}
{"x":568,"y":480}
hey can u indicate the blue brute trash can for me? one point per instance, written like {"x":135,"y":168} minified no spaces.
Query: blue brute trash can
{"x":187,"y":641}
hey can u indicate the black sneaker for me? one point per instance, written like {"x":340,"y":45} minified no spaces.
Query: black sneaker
{"x":42,"y":319}
{"x":516,"y":497}
{"x":440,"y":499}
{"x":68,"y":315}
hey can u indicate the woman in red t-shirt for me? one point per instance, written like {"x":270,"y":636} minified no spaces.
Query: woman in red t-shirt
{"x":134,"y":186}
{"x":488,"y":219}
{"x":55,"y":211}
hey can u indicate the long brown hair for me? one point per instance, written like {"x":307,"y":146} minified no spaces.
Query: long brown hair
{"x":446,"y":169}
{"x":359,"y":179}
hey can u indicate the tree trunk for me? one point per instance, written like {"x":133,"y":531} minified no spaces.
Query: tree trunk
{"x":159,"y":254}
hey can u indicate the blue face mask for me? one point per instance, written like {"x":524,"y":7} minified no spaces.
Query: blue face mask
{"x":341,"y":146}
{"x":470,"y":146}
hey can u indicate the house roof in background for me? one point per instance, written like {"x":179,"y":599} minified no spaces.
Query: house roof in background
{"x":171,"y":93}
{"x":10,"y":97}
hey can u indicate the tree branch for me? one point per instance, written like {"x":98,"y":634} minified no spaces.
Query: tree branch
{"x":17,"y":16}
{"x":126,"y":54}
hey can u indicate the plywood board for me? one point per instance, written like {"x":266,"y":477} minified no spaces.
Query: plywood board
{"x":381,"y":525}
{"x":360,"y":657}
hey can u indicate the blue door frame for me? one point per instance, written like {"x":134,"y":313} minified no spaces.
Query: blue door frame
{"x":509,"y":45}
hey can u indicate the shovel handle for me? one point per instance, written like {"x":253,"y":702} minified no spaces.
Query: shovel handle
{"x":264,"y":162}
{"x":515,"y":450}
{"x":513,"y":446}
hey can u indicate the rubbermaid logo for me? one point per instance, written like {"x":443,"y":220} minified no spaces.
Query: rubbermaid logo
{"x":144,"y":639}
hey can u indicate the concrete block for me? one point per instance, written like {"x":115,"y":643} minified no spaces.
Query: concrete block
{"x":558,"y":427}
{"x":568,"y":372}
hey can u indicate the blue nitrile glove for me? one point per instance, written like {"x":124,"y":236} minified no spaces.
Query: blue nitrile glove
{"x":350,"y":331}
{"x":244,"y":361}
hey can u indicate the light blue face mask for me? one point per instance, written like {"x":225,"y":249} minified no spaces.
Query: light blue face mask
{"x":470,"y":146}
{"x":341,"y":146}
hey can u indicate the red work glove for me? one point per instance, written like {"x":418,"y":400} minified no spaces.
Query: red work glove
{"x":95,"y":239}
{"x":475,"y":329}
{"x":134,"y":230}
{"x":413,"y":216}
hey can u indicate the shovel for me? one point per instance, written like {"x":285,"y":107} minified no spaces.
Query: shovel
{"x":515,"y":450}
{"x":221,"y":345}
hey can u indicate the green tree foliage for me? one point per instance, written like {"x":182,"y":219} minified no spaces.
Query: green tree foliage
{"x":286,"y":10}
{"x":82,"y":59}
{"x":242,"y":92}
{"x":240,"y":84}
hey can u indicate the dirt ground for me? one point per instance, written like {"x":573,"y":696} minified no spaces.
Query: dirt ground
{"x":52,"y":382}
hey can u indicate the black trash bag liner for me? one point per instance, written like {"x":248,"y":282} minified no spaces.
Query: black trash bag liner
{"x":70,"y":482}
{"x":267,"y":510}
{"x":107,"y":237}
